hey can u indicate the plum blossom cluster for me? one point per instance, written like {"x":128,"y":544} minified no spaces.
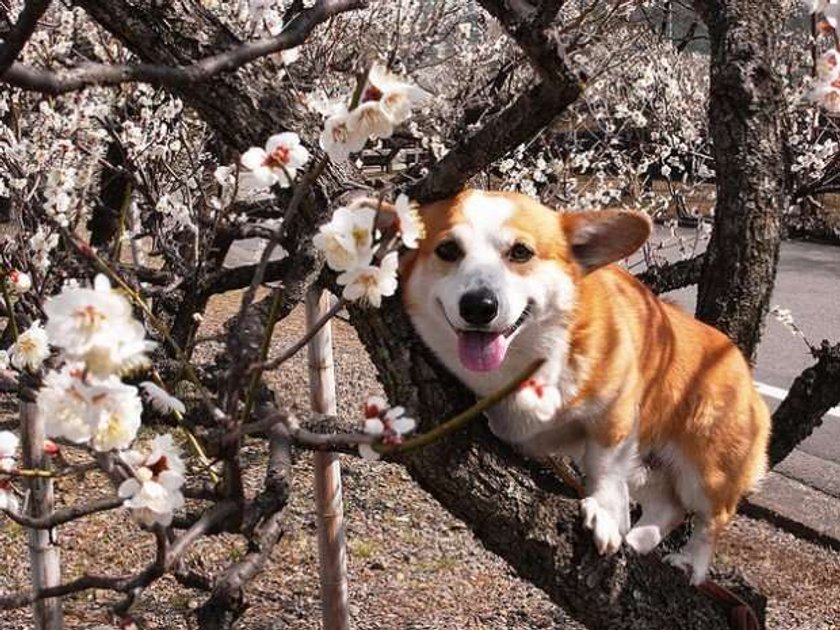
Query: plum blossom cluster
{"x":386,"y":101}
{"x":85,"y":401}
{"x":8,"y":455}
{"x":826,"y":90}
{"x":351,"y":243}
{"x":387,"y":423}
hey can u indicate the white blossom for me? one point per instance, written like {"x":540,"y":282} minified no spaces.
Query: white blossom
{"x":342,"y":135}
{"x":97,"y":326}
{"x":161,"y":400}
{"x":370,"y":283}
{"x":31,"y":348}
{"x":9,"y":443}
{"x":347,"y":240}
{"x":279,"y":162}
{"x":20,"y":281}
{"x":386,"y":102}
{"x":389,"y":424}
{"x":154,"y":493}
{"x":411,"y":225}
{"x":104,"y":412}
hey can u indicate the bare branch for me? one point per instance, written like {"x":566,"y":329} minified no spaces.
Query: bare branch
{"x":65,"y":515}
{"x":812,"y":394}
{"x":664,"y":278}
{"x":88,"y":74}
{"x":165,"y":559}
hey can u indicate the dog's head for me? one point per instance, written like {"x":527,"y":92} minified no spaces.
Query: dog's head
{"x":494,"y":264}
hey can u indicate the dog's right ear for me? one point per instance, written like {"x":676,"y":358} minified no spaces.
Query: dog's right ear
{"x":386,"y":216}
{"x":604,"y":236}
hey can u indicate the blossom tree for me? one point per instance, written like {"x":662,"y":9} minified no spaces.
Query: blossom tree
{"x":140,"y":141}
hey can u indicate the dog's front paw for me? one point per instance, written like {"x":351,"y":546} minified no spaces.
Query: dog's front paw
{"x":604,"y":527}
{"x":542,"y":400}
{"x":695,"y":569}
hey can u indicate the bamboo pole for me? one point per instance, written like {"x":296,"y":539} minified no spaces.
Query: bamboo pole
{"x":43,"y":550}
{"x":332,"y":549}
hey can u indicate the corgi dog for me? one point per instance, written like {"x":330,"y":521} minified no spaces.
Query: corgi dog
{"x":653,"y":405}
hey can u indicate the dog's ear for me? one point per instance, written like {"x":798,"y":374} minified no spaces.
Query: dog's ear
{"x":605,"y":236}
{"x":386,"y":216}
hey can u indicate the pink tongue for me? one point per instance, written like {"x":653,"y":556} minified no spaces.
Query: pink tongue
{"x":482,"y":352}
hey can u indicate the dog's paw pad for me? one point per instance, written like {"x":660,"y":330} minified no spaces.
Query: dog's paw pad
{"x":643,"y":539}
{"x":605,"y":531}
{"x":696,"y":571}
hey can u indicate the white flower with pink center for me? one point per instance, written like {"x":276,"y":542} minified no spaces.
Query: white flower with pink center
{"x":370,"y":283}
{"x":31,"y":348}
{"x":389,"y":424}
{"x":154,"y":492}
{"x":278,"y":162}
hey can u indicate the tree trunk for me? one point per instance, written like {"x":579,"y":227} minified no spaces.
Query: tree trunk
{"x":745,"y":122}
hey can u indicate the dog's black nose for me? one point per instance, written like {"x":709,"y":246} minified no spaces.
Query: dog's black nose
{"x":479,"y":307}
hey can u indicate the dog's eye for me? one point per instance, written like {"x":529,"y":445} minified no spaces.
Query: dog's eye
{"x":449,"y":251}
{"x":520,"y":253}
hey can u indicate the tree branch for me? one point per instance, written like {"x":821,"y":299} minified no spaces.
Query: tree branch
{"x":672,"y":276}
{"x":24,"y":28}
{"x":182,"y":76}
{"x":522,"y":120}
{"x":812,"y":394}
{"x":66,"y":515}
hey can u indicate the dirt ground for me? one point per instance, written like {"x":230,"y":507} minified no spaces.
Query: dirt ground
{"x":411,"y":565}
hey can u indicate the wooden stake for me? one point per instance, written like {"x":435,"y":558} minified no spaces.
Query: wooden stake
{"x":332,"y":549}
{"x":43,"y":550}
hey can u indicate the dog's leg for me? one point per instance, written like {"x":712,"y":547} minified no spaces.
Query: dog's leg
{"x":606,"y":508}
{"x":661,"y":513}
{"x":696,"y":556}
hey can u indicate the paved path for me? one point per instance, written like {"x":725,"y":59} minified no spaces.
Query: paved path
{"x":803,"y":491}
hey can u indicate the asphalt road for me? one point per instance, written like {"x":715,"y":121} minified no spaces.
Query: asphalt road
{"x":808,"y":285}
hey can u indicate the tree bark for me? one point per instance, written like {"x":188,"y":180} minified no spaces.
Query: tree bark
{"x":812,"y":394}
{"x":745,"y":122}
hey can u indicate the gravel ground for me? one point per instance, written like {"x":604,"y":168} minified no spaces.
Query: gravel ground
{"x":411,"y":565}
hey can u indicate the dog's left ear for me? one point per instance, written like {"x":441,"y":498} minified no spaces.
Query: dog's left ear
{"x":385,"y":219}
{"x":605,"y":236}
